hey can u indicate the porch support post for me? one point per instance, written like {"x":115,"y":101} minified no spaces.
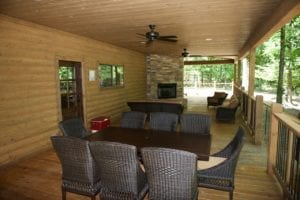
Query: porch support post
{"x":273,"y":136}
{"x":234,"y":82}
{"x":259,"y":101}
{"x":239,"y":71}
{"x":251,"y":72}
{"x":251,"y":82}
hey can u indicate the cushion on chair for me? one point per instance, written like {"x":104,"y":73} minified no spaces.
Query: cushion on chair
{"x":213,"y":161}
{"x":233,"y":102}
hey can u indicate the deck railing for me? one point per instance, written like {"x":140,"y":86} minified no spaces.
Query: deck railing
{"x":283,"y":151}
{"x":266,"y":120}
{"x":215,"y":85}
{"x":252,"y":113}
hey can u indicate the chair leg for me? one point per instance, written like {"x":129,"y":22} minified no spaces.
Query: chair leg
{"x":63,"y":194}
{"x":231,"y":195}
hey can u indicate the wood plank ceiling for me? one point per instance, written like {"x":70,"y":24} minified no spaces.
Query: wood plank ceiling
{"x":204,"y":27}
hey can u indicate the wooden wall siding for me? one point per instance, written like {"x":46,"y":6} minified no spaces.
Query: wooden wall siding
{"x":164,"y":69}
{"x":29,"y":101}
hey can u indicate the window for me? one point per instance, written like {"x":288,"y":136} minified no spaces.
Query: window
{"x":111,"y":75}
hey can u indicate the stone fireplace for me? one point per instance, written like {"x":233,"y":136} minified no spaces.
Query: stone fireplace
{"x":162,"y":71}
{"x":166,"y":90}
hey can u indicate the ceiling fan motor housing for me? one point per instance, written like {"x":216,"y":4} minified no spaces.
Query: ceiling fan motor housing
{"x":152,"y":35}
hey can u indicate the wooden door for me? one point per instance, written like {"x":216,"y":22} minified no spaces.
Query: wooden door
{"x":70,"y":80}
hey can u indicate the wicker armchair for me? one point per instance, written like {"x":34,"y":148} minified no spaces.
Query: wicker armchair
{"x":195,"y":123}
{"x":163,"y":121}
{"x":217,"y":99}
{"x":133,"y":119}
{"x":121,"y":174}
{"x":221,"y":176}
{"x":227,"y":112}
{"x":73,"y":127}
{"x":80,"y":173}
{"x":171,"y":173}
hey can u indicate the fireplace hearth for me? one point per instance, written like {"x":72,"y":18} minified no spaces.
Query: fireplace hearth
{"x":166,"y":90}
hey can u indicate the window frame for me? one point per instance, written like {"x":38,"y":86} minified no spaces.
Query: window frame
{"x":111,"y":75}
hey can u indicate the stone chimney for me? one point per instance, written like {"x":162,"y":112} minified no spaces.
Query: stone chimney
{"x":164,"y":69}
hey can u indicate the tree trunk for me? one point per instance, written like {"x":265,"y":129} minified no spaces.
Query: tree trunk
{"x":290,"y":85}
{"x":281,"y":66}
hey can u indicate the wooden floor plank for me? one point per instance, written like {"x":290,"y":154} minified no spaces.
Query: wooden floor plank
{"x":40,"y":177}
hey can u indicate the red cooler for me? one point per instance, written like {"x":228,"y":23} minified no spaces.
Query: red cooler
{"x":99,"y":123}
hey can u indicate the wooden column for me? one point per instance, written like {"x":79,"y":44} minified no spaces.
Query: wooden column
{"x":251,"y":72}
{"x":251,"y":82}
{"x":273,"y":136}
{"x":234,"y":83}
{"x":239,"y":68}
{"x":259,"y":99}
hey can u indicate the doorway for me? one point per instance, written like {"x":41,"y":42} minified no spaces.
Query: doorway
{"x":70,"y":81}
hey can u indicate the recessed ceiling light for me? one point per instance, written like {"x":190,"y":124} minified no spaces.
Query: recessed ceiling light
{"x":208,"y":39}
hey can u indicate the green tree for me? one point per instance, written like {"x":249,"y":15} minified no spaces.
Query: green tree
{"x":281,"y":66}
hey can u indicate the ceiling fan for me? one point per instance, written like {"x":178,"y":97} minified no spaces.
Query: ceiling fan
{"x":153,"y":35}
{"x":185,"y":53}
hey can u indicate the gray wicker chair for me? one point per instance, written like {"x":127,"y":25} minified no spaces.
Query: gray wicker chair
{"x":171,"y":173}
{"x":163,"y":121}
{"x":195,"y":123}
{"x":133,"y":119}
{"x":73,"y":127}
{"x":221,"y":176}
{"x":80,"y":173}
{"x":121,"y":175}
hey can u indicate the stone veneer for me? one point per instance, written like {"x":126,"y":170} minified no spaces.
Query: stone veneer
{"x":164,"y":69}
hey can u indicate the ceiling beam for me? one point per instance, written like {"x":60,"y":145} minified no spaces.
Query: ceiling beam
{"x":209,"y":62}
{"x":285,"y":12}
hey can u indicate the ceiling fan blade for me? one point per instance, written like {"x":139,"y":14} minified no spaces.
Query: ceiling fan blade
{"x":166,"y":39}
{"x":168,"y":36}
{"x":149,"y":42}
{"x":141,"y":35}
{"x":195,"y":55}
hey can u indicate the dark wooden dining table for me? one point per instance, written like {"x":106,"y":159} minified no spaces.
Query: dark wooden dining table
{"x":198,"y":144}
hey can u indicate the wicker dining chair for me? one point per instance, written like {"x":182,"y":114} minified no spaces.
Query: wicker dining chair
{"x":171,"y":173}
{"x":221,"y":176}
{"x":195,"y":123}
{"x":133,"y":119}
{"x":163,"y":121}
{"x":121,"y":174}
{"x":80,"y":173}
{"x":73,"y":127}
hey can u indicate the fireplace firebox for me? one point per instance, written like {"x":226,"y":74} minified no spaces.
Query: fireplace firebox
{"x":166,"y":90}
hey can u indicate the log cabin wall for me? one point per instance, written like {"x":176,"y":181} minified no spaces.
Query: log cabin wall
{"x":30,"y":98}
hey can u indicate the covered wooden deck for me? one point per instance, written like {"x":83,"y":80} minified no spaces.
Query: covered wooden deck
{"x":39,"y":177}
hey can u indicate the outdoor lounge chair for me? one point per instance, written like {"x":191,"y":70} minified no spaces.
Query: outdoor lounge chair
{"x":133,"y":119}
{"x":171,"y":173}
{"x":217,"y":99}
{"x":122,"y":177}
{"x":227,"y":112}
{"x":73,"y":127}
{"x":221,"y":175}
{"x":80,"y":173}
{"x":163,"y":121}
{"x":195,"y":123}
